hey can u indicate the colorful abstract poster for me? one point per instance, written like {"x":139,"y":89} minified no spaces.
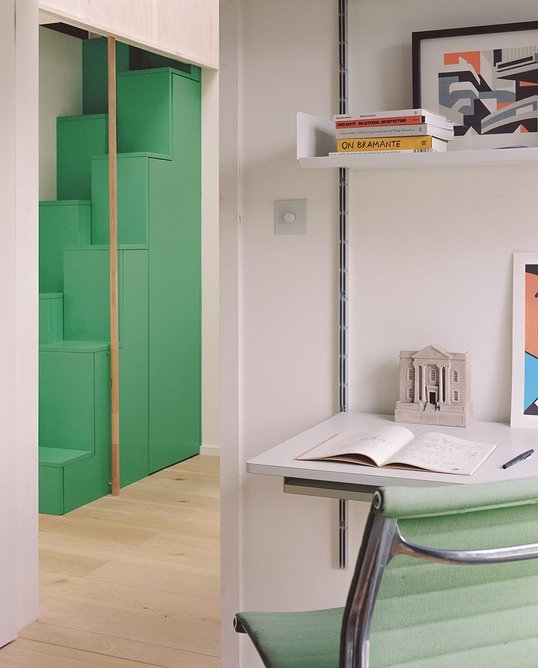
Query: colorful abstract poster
{"x":530,"y":405}
{"x":525,"y":341}
{"x":486,"y":84}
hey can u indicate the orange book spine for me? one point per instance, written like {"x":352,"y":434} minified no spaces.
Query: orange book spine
{"x":423,"y":142}
{"x":374,"y":122}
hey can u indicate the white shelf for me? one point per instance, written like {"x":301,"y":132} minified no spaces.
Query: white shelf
{"x":316,"y":138}
{"x":507,"y":156}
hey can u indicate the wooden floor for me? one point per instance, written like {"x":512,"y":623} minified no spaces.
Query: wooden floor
{"x":131,"y":580}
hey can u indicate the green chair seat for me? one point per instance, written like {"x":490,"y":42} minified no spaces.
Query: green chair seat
{"x":305,"y":639}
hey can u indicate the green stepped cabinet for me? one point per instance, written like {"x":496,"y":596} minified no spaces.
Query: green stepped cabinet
{"x":159,"y":278}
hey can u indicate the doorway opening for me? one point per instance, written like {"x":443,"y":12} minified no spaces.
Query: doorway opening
{"x":159,"y":275}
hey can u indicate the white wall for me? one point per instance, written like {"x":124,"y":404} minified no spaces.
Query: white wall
{"x":210,"y":263}
{"x":8,"y":426}
{"x":430,"y":251}
{"x":229,"y":216}
{"x":277,"y":58}
{"x":442,"y":277}
{"x":60,"y":94}
{"x":18,"y":325}
{"x":26,"y":396}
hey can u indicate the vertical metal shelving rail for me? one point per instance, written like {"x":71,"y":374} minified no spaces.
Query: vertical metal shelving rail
{"x":342,"y":305}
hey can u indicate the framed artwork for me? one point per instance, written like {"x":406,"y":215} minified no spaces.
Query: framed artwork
{"x":525,"y":341}
{"x":484,"y":79}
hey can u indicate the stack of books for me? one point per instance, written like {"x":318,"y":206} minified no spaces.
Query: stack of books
{"x":401,"y":131}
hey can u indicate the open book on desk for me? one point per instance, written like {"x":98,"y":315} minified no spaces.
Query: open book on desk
{"x":397,"y":447}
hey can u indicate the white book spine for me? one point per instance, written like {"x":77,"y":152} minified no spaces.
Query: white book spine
{"x":387,"y":152}
{"x":388,"y":114}
{"x":396,"y":131}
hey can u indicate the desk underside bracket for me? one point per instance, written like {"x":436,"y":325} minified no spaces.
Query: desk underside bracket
{"x":329,"y":490}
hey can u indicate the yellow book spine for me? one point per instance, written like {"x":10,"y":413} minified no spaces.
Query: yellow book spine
{"x":354,"y":145}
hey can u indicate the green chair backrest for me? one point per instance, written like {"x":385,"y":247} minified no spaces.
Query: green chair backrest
{"x":426,"y":613}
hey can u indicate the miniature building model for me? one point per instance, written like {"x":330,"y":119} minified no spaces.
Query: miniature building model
{"x":435,"y":388}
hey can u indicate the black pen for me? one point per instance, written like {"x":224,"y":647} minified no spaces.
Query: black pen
{"x":519,"y":458}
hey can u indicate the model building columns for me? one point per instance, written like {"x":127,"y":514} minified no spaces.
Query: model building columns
{"x":444,"y":378}
{"x":421,"y":382}
{"x":421,"y":378}
{"x":435,"y":387}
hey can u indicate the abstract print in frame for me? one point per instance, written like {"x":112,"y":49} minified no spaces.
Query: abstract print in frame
{"x":484,"y":79}
{"x":525,"y":341}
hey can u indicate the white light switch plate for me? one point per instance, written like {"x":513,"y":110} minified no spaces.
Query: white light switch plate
{"x":290,"y":216}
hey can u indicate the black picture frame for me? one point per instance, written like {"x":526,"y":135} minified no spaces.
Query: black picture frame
{"x":480,"y":126}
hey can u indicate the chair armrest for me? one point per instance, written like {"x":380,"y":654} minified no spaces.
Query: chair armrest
{"x":483,"y":556}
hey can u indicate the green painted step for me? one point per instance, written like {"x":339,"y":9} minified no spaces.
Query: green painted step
{"x":51,"y":313}
{"x":133,"y":198}
{"x":74,"y":424}
{"x":76,"y":346}
{"x":67,"y":393}
{"x":87,"y":293}
{"x":145,"y":112}
{"x":61,"y":456}
{"x":61,"y":223}
{"x":78,"y":139}
{"x":87,"y":288}
{"x":74,"y":482}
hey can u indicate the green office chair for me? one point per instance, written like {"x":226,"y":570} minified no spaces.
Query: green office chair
{"x":446,"y":577}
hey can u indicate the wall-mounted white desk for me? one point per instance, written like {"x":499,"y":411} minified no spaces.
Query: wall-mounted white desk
{"x":351,"y":481}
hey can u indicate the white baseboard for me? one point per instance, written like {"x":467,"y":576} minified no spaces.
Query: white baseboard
{"x":212,"y":450}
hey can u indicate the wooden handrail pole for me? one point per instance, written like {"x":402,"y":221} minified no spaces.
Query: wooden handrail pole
{"x":113,"y":232}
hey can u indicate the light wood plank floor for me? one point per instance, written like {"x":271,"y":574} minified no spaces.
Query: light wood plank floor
{"x":131,"y":580}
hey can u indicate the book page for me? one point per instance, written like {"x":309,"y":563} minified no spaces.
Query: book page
{"x":378,"y":444}
{"x":443,"y":454}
